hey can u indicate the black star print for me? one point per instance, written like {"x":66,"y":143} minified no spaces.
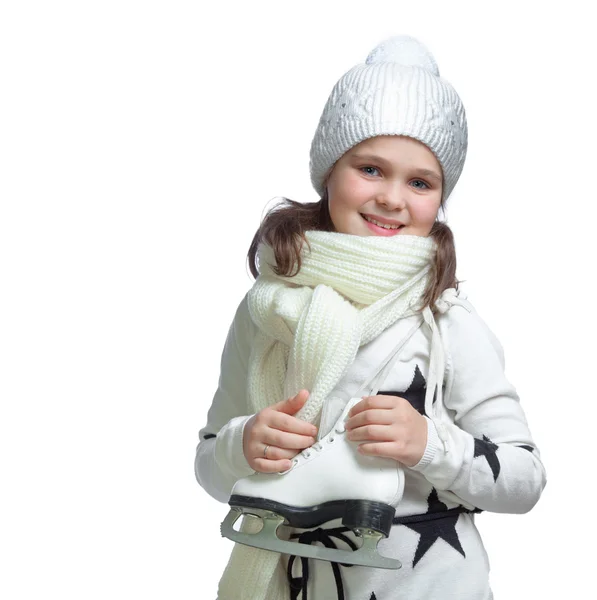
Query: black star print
{"x":432,"y":530}
{"x":415,"y":393}
{"x":529,"y":448}
{"x":488,"y":449}
{"x":373,"y":596}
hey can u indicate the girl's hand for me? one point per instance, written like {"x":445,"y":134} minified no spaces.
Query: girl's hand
{"x":283,"y":434}
{"x":388,"y":426}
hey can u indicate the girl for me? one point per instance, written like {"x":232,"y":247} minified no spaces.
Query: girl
{"x":339,"y":283}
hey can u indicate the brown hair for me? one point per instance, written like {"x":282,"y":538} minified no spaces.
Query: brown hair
{"x":284,"y":226}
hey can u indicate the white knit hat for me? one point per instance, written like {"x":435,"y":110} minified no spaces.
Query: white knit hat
{"x":398,"y":91}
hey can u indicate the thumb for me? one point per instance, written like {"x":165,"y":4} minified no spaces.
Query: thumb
{"x":294,"y":404}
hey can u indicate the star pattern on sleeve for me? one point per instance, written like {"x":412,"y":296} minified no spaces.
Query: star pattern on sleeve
{"x":488,"y":449}
{"x":415,"y":393}
{"x":432,"y":530}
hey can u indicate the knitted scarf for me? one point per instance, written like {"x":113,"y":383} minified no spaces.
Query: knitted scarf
{"x":310,"y":326}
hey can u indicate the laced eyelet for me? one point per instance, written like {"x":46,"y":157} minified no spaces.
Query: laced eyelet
{"x":340,"y":430}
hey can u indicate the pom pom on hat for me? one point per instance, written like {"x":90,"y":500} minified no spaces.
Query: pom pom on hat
{"x":397,"y":91}
{"x":404,"y":50}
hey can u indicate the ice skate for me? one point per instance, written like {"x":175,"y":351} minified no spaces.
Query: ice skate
{"x":330,"y":480}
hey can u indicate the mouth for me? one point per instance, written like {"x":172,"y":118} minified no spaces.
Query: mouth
{"x":380,"y":228}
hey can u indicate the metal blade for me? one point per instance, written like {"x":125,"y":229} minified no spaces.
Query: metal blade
{"x":267,"y":539}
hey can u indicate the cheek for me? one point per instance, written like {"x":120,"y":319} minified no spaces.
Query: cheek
{"x":350,"y":191}
{"x":427,"y":212}
{"x":356,"y":190}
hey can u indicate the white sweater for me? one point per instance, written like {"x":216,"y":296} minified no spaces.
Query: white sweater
{"x":492,"y":463}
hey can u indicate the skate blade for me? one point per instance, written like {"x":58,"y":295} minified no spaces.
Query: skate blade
{"x":267,"y":539}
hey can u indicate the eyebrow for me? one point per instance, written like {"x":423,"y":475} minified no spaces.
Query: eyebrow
{"x":379,"y":159}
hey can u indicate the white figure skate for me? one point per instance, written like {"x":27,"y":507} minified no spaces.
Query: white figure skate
{"x":329,"y":480}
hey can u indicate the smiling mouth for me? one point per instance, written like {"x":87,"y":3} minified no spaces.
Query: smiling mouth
{"x":382,"y":225}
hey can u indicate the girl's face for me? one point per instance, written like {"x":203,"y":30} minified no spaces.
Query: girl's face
{"x":394,"y":180}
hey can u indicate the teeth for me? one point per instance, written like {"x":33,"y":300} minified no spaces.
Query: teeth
{"x":381,"y":224}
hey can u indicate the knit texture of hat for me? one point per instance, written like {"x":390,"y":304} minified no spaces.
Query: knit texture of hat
{"x":398,"y":91}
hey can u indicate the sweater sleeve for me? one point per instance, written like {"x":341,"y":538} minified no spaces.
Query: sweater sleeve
{"x":490,"y":460}
{"x":219,"y":459}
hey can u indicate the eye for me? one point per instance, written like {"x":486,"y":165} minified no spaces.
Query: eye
{"x":421,"y":181}
{"x":364,"y":169}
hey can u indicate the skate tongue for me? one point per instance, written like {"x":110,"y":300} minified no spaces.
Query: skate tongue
{"x":332,"y":411}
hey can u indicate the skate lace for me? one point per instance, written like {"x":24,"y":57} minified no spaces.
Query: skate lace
{"x":318,"y":446}
{"x":298,"y":585}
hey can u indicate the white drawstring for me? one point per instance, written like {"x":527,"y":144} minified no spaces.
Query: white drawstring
{"x":448,"y":298}
{"x":435,"y":378}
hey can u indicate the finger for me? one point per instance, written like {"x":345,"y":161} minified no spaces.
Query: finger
{"x":385,"y":449}
{"x":370,"y":432}
{"x":357,"y":408}
{"x":284,"y":422}
{"x":371,"y":416}
{"x":275,"y":453}
{"x":369,"y":402}
{"x":283,"y":439}
{"x":263,"y":465}
{"x":292,"y":405}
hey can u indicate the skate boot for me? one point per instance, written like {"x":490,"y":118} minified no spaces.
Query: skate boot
{"x":329,"y":480}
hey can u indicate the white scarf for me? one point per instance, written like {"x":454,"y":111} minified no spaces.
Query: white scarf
{"x":349,"y":289}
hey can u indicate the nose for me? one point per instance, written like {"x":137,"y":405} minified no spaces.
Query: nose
{"x":393,"y":196}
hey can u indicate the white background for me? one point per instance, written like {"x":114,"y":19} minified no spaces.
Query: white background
{"x":140,"y":143}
